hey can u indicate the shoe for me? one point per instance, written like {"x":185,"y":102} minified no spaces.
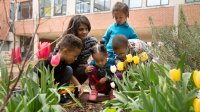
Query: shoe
{"x":93,"y":95}
{"x":111,"y":96}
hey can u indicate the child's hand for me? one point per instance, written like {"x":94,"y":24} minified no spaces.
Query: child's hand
{"x":89,"y":69}
{"x":80,"y":90}
{"x":103,"y":80}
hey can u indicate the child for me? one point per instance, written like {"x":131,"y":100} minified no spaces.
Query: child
{"x":100,"y":75}
{"x":79,"y":25}
{"x":69,"y":47}
{"x":122,"y":46}
{"x":120,"y":12}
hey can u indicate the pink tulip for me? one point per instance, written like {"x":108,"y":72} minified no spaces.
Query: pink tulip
{"x":16,"y":55}
{"x":55,"y":60}
{"x":43,"y":50}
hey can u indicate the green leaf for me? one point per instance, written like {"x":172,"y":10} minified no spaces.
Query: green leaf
{"x":121,"y":97}
{"x":185,"y":80}
{"x":153,"y":75}
{"x":4,"y":72}
{"x":181,"y":62}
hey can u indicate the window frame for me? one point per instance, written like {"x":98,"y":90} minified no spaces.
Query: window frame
{"x":80,"y":7}
{"x":194,"y":1}
{"x":62,"y":10}
{"x":133,"y":7}
{"x":156,"y":5}
{"x":104,"y":6}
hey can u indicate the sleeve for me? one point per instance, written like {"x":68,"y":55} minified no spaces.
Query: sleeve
{"x":106,"y":37}
{"x":92,"y":63}
{"x":133,"y":35}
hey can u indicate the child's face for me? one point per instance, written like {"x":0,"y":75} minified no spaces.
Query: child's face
{"x":82,"y":31}
{"x":100,"y":59}
{"x":120,"y":17}
{"x":121,"y":53}
{"x":70,"y":56}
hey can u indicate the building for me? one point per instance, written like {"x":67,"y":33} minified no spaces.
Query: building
{"x":53,"y":17}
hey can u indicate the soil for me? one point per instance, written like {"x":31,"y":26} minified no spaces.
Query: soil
{"x":87,"y":105}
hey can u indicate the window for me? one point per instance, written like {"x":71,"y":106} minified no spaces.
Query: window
{"x":157,"y":2}
{"x":82,"y":6}
{"x":60,"y":7}
{"x":101,"y":5}
{"x":25,"y":10}
{"x":190,"y":1}
{"x":45,"y":8}
{"x":25,"y":45}
{"x":12,"y":10}
{"x":133,"y":3}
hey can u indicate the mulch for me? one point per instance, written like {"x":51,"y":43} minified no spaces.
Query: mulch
{"x":87,"y":105}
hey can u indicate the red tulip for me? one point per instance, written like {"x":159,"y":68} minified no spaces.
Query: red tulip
{"x":55,"y":60}
{"x":16,"y":55}
{"x":43,"y":50}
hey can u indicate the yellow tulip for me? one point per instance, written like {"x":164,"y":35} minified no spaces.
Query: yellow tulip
{"x":129,"y":58}
{"x":111,"y":110}
{"x":196,"y":78}
{"x":143,"y":56}
{"x":196,"y":105}
{"x":136,"y":60}
{"x":120,"y":66}
{"x":175,"y":74}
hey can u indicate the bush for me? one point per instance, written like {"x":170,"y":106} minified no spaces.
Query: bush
{"x":175,"y":41}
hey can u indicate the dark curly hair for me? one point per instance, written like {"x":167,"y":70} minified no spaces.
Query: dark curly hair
{"x":98,"y":48}
{"x":120,"y":7}
{"x":70,"y":42}
{"x":119,"y":41}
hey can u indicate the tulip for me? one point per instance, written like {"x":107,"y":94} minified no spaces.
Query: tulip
{"x":16,"y":55}
{"x":196,"y":78}
{"x":136,"y":60}
{"x":55,"y":60}
{"x":175,"y":74}
{"x":143,"y":56}
{"x":129,"y":58}
{"x":196,"y":103}
{"x":43,"y":50}
{"x":120,"y":66}
{"x":113,"y":68}
{"x":112,"y":84}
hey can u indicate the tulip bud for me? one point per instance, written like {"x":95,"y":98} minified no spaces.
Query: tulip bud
{"x":136,"y":60}
{"x":120,"y":66}
{"x":196,"y":103}
{"x":112,"y":84}
{"x":113,"y":69}
{"x":143,"y":56}
{"x":55,"y":60}
{"x":43,"y":50}
{"x":196,"y":78}
{"x":129,"y":58}
{"x":16,"y":55}
{"x":175,"y":74}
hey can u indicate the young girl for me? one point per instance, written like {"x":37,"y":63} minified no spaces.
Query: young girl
{"x":100,"y":76}
{"x":69,"y":47}
{"x":120,"y":12}
{"x":79,"y":25}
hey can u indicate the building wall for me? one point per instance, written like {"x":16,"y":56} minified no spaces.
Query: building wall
{"x":4,"y":20}
{"x":52,"y":27}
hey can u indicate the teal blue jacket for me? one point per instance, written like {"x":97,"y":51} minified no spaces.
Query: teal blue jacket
{"x":116,"y":29}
